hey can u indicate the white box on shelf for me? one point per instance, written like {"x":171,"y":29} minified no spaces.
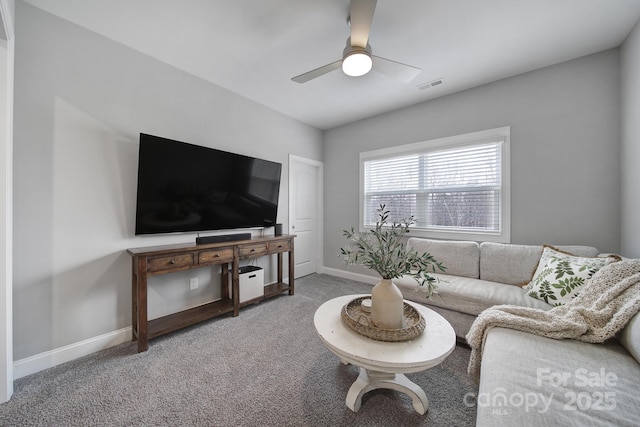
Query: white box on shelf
{"x":251,"y":282}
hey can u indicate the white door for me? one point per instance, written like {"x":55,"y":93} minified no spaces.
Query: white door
{"x":305,"y":213}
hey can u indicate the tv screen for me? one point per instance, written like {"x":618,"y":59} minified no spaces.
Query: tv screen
{"x":184,"y":187}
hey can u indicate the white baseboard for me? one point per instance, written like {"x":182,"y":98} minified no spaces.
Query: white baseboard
{"x":349,"y":275}
{"x":39,"y":362}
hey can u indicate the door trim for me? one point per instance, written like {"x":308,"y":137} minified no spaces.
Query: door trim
{"x":319,"y":206}
{"x":6,"y":204}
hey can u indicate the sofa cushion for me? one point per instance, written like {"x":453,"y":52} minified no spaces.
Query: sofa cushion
{"x":629,"y":337}
{"x":528,"y":380}
{"x":508,"y":263}
{"x":587,"y":251}
{"x":461,"y":258}
{"x":470,"y":296}
{"x":515,"y":264}
{"x":560,"y":276}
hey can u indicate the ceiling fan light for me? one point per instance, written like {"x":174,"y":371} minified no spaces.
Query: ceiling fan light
{"x":357,"y":63}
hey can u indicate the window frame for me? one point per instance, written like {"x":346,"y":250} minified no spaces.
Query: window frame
{"x":502,"y":134}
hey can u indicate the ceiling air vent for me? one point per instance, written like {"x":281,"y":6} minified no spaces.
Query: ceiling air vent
{"x":431,"y":84}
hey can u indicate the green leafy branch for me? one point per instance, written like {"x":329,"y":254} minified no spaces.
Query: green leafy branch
{"x":383,"y":250}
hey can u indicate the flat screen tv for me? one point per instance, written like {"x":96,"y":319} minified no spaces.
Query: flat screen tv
{"x":187,"y":188}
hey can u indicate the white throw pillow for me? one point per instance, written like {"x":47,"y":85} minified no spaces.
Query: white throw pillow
{"x":560,"y":276}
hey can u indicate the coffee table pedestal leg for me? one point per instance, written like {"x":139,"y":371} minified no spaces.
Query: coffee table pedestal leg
{"x":370,"y":380}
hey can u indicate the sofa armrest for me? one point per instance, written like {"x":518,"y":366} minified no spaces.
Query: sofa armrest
{"x":629,"y":337}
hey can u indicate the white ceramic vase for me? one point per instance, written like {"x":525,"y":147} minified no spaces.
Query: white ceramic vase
{"x":387,"y":305}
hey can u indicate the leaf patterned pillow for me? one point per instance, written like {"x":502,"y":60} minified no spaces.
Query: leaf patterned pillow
{"x":560,"y":276}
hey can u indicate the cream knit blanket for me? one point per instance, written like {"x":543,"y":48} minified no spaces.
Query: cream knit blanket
{"x":604,"y":306}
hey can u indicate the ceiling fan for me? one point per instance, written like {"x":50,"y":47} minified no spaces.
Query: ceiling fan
{"x":357,"y":59}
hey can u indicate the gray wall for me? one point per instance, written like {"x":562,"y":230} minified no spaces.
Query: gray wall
{"x":630,"y":89}
{"x":565,"y":151}
{"x":80,"y":102}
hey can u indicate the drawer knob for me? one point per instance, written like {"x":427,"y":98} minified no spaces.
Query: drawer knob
{"x":173,"y":261}
{"x":216,"y":256}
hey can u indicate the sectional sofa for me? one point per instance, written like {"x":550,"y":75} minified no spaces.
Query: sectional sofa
{"x":526,"y":379}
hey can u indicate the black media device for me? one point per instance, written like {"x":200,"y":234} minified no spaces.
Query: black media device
{"x":222,"y":238}
{"x":184,"y":187}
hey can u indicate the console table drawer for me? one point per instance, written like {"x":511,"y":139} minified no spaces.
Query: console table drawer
{"x":216,"y":255}
{"x":253,"y":250}
{"x":279,"y":246}
{"x":175,"y":262}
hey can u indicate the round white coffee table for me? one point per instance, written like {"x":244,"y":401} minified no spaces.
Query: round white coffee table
{"x":383,"y":364}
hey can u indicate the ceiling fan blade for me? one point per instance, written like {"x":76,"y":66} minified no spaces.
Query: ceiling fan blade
{"x":361,"y":19}
{"x":397,"y":70}
{"x":310,"y":75}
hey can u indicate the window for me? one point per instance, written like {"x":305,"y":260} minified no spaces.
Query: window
{"x":456,"y":187}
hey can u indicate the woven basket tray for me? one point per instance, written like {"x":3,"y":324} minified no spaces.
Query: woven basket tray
{"x":360,"y":321}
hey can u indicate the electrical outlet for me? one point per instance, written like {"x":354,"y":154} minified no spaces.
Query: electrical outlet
{"x":193,"y":283}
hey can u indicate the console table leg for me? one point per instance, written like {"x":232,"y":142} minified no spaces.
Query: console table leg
{"x":143,"y":337}
{"x":139,"y":304}
{"x":371,"y":380}
{"x":134,"y":300}
{"x":292,"y":272}
{"x":235,"y":283}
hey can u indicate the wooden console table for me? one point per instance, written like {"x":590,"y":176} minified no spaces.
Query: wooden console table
{"x":156,"y":260}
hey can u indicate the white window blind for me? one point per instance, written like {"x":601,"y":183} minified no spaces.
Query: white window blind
{"x":455,"y":185}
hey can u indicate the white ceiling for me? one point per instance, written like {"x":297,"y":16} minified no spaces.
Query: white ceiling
{"x":254,"y":47}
